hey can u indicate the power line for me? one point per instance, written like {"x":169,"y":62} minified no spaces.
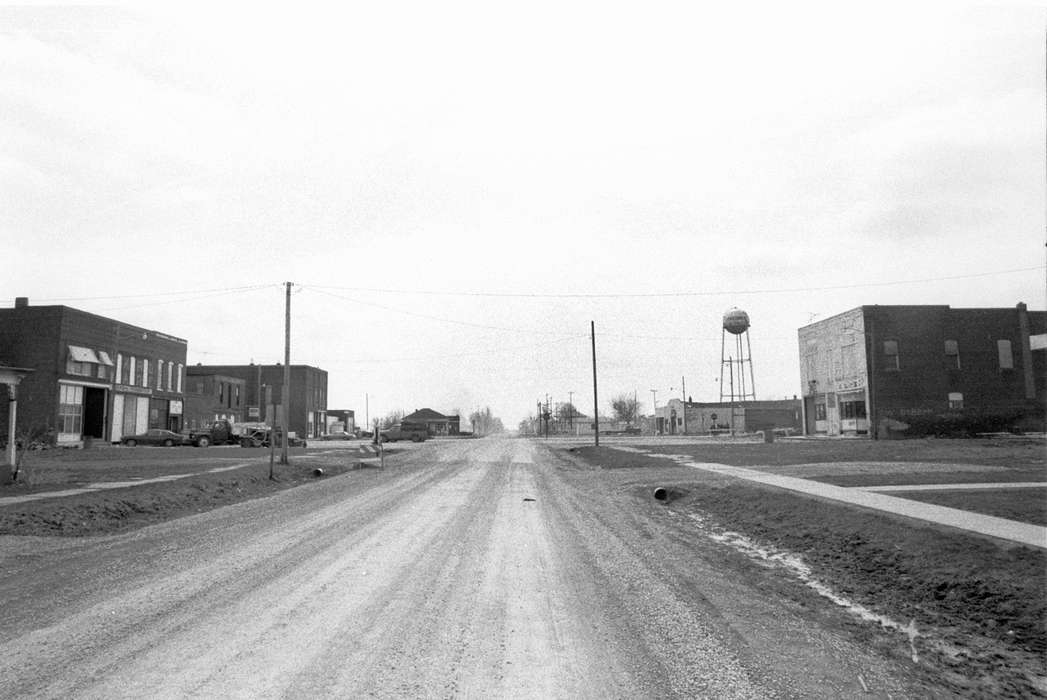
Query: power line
{"x":647,"y":295}
{"x":427,"y":316}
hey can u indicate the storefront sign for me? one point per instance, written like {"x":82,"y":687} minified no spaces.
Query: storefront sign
{"x":174,"y":407}
{"x":846,"y":384}
{"x":128,"y":389}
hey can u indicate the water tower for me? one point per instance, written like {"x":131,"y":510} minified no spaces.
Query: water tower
{"x":736,"y":361}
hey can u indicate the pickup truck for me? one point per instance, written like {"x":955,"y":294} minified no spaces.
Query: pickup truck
{"x":415,"y":432}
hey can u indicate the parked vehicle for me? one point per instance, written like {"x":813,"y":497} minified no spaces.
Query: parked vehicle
{"x":223,"y":432}
{"x":337,"y":435}
{"x":156,"y":436}
{"x":415,"y":432}
{"x":259,"y":437}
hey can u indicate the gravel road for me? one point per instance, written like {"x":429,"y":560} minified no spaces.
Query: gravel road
{"x":483,"y":568}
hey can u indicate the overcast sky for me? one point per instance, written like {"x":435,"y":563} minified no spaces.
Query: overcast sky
{"x":458,"y":189}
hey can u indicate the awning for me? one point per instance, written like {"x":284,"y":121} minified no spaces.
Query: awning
{"x":1038,"y":342}
{"x":103,"y":357}
{"x":79,"y":354}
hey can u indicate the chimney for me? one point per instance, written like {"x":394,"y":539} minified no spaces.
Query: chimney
{"x":21,"y":302}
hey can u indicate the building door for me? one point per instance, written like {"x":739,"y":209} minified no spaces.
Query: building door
{"x":117,"y":429}
{"x":94,"y":412}
{"x":130,"y":420}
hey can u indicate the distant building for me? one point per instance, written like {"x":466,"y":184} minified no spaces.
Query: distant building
{"x":344,"y":417}
{"x":435,"y":423}
{"x":679,"y":417}
{"x":263,"y":391}
{"x":210,"y":397}
{"x":94,"y":377}
{"x":887,"y":370}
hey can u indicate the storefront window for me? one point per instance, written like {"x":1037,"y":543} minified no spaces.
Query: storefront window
{"x":70,"y":409}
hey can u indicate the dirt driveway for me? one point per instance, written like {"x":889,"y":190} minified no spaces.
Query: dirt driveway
{"x":466,"y":569}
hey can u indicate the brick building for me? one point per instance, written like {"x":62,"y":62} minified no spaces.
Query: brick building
{"x":94,"y":377}
{"x":210,"y":397}
{"x":262,"y":398}
{"x":887,"y":370}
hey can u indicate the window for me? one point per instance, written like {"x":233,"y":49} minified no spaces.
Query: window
{"x":132,"y":378}
{"x":1003,"y":348}
{"x":170,"y":375}
{"x":159,"y":375}
{"x":82,"y":369}
{"x":221,"y":392}
{"x":145,"y":372}
{"x":118,"y":377}
{"x":178,"y":388}
{"x":819,"y":411}
{"x":237,"y":388}
{"x":952,"y":354}
{"x":955,"y":400}
{"x":852,"y":409}
{"x":890,"y":355}
{"x":70,"y":409}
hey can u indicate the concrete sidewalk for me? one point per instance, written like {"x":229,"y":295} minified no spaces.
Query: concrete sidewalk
{"x":1010,"y":530}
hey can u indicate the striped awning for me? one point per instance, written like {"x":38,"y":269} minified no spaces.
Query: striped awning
{"x":79,"y":354}
{"x":104,"y":358}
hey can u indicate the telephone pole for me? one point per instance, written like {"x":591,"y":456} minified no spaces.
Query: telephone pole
{"x":286,"y":398}
{"x":596,"y":402}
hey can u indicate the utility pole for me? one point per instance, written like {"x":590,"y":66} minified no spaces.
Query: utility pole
{"x":596,"y":402}
{"x":286,"y":398}
{"x":683,"y":390}
{"x":570,"y":409}
{"x":367,"y":409}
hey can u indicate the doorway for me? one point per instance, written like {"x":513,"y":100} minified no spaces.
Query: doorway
{"x":94,"y":412}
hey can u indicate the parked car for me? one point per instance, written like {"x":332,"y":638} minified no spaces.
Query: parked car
{"x":415,"y":432}
{"x":156,"y":436}
{"x":337,"y":435}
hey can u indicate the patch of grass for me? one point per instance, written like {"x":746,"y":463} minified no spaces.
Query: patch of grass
{"x":114,"y":510}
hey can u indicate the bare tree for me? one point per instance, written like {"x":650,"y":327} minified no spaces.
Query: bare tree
{"x":484,"y":422}
{"x":392,"y":418}
{"x":626,"y":408}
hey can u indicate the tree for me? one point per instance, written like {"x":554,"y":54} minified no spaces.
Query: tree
{"x":391,"y":419}
{"x":626,"y":408}
{"x":485,"y":423}
{"x":566,"y":412}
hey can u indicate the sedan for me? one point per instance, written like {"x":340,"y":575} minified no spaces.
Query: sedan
{"x":155,"y":436}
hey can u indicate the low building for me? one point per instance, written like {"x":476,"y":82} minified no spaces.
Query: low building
{"x":678,"y":417}
{"x":887,"y":370}
{"x":435,"y":423}
{"x":262,"y":399}
{"x":94,"y":378}
{"x":341,"y":419}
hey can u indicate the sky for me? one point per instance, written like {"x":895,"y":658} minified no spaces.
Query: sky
{"x":457,"y":190}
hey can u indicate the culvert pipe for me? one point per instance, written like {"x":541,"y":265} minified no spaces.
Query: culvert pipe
{"x":661,"y":494}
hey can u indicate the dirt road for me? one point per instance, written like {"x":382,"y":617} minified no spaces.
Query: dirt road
{"x":481,"y":568}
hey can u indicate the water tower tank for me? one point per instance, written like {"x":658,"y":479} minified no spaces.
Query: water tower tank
{"x":735,"y":321}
